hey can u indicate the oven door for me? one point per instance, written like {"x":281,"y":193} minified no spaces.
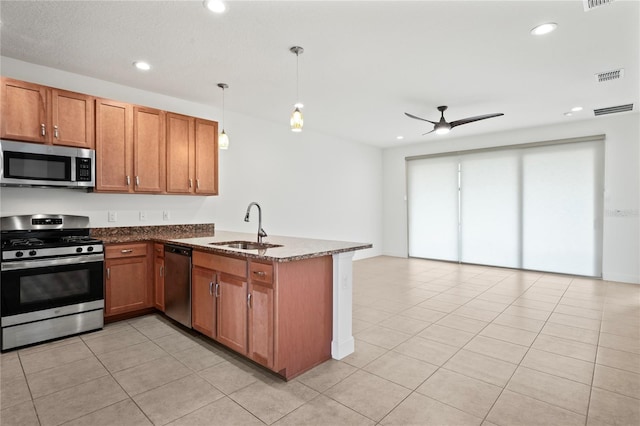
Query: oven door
{"x":31,"y":287}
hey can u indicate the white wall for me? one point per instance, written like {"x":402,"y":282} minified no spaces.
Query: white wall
{"x":308,"y":184}
{"x":621,"y":239}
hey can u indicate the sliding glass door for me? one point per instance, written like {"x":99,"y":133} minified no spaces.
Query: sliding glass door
{"x":538,"y":207}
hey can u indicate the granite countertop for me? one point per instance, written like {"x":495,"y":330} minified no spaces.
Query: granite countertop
{"x":200,"y":236}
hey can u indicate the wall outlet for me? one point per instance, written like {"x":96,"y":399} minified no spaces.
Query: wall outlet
{"x":113,"y":216}
{"x":165,"y":215}
{"x":143,"y":215}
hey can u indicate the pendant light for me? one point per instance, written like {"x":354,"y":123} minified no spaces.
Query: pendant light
{"x":297,"y":121}
{"x":223,"y":139}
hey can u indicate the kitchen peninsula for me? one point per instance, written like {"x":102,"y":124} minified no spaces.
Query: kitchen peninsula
{"x":286,"y":307}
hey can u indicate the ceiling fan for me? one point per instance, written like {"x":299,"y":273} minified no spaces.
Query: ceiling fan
{"x":441,"y":127}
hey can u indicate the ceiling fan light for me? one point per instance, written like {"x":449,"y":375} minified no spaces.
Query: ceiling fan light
{"x":297,"y":120}
{"x":442,"y":131}
{"x":216,"y":6}
{"x":223,"y":140}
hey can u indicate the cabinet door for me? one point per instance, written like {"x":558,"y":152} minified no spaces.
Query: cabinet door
{"x":114,"y":131}
{"x":203,"y":301}
{"x":158,"y":281}
{"x":72,"y":119}
{"x":206,"y":158}
{"x":232,"y":313}
{"x":148,"y":150}
{"x":126,"y":285}
{"x":24,"y":111}
{"x":180,"y":152}
{"x":261,"y":324}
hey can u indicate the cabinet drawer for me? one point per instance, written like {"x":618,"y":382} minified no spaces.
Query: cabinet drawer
{"x":114,"y":251}
{"x":261,"y":272}
{"x":228,"y":265}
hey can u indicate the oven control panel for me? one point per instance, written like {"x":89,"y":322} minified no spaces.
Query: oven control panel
{"x":22,"y":254}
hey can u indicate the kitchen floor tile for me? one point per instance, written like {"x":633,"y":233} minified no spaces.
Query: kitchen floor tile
{"x":609,"y":408}
{"x":423,"y":314}
{"x":400,"y":369}
{"x":446,"y":335}
{"x":150,"y":375}
{"x":130,"y":356}
{"x":65,"y":376}
{"x":71,"y":403}
{"x":458,"y":322}
{"x":465,"y":393}
{"x":382,"y":337}
{"x":475,"y":313}
{"x":54,"y":357}
{"x":19,"y":415}
{"x":356,"y":390}
{"x":176,"y":399}
{"x":14,"y":393}
{"x":229,"y":376}
{"x":113,"y":341}
{"x":364,"y":353}
{"x":618,"y":359}
{"x":10,"y":367}
{"x":223,"y":412}
{"x":499,"y":349}
{"x":325,"y":375}
{"x":121,"y":413}
{"x":570,"y":348}
{"x":521,"y":323}
{"x":420,"y":410}
{"x":48,"y":345}
{"x":201,"y":357}
{"x":514,"y":409}
{"x":554,"y":390}
{"x":405,"y":324}
{"x":426,"y":350}
{"x":174,"y":343}
{"x":559,"y":365}
{"x":439,"y":305}
{"x":509,"y":334}
{"x":620,"y":343}
{"x":570,"y":333}
{"x":574,"y":321}
{"x":271,"y":401}
{"x":481,"y":367}
{"x":615,"y":380}
{"x":323,"y":411}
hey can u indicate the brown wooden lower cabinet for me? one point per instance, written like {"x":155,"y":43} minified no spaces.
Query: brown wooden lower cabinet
{"x":158,"y":276}
{"x":277,"y":314}
{"x":127,"y":286}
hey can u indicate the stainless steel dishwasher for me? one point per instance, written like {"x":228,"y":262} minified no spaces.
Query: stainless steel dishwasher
{"x":177,"y":283}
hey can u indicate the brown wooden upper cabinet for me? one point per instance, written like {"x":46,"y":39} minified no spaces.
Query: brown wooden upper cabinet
{"x":35,"y":113}
{"x":192,"y":155}
{"x":130,"y":148}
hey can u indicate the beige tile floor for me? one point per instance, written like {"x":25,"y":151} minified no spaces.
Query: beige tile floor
{"x":436,"y":343}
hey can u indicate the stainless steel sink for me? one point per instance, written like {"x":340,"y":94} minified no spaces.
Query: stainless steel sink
{"x":245,"y":245}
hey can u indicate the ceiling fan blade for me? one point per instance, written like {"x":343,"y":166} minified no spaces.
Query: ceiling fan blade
{"x":418,"y":118}
{"x":429,"y":132}
{"x":472,"y":119}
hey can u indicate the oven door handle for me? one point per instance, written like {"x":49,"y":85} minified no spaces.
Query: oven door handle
{"x":58,"y":261}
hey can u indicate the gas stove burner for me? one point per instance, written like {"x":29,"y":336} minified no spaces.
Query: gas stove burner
{"x":76,"y":239}
{"x":26,"y":242}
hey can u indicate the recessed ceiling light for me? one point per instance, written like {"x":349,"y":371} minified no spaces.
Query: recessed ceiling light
{"x":576,"y":109}
{"x":399,"y":137}
{"x":544,"y":28}
{"x":568,"y":114}
{"x":142,"y":65}
{"x":216,"y":6}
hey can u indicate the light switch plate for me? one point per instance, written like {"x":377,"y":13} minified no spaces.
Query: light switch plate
{"x":165,"y":215}
{"x":113,"y":216}
{"x":143,"y":215}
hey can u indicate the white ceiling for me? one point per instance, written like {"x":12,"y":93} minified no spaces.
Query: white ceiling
{"x":364,"y":65}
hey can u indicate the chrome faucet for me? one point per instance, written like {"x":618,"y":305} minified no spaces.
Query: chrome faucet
{"x":261,"y":233}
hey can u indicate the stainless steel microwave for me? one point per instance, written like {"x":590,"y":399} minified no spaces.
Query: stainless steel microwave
{"x":30,"y":164}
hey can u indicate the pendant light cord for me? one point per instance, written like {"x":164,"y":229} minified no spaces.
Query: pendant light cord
{"x":297,"y":80}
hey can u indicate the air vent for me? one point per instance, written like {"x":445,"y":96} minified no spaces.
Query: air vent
{"x":592,"y":4}
{"x":613,"y":110}
{"x":610,"y":75}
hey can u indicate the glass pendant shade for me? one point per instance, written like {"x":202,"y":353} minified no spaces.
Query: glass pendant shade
{"x":223,"y":140}
{"x":297,"y":121}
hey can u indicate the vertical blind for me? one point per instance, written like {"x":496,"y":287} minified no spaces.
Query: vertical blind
{"x":537,"y":207}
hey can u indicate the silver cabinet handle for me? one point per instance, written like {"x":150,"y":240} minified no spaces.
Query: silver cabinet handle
{"x":197,"y":183}
{"x":43,"y":130}
{"x":211,"y":288}
{"x":128,"y":180}
{"x":217,"y":290}
{"x":162,"y":270}
{"x":126,"y":251}
{"x":249,"y":300}
{"x":137,"y":180}
{"x":190,"y":183}
{"x":260,"y":273}
{"x":55,"y":132}
{"x":108,"y":273}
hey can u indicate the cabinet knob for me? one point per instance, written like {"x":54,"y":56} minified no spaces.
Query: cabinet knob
{"x":43,"y":130}
{"x":55,"y":132}
{"x":260,"y":273}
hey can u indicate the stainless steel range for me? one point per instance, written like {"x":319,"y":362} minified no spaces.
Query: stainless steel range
{"x":52,"y":279}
